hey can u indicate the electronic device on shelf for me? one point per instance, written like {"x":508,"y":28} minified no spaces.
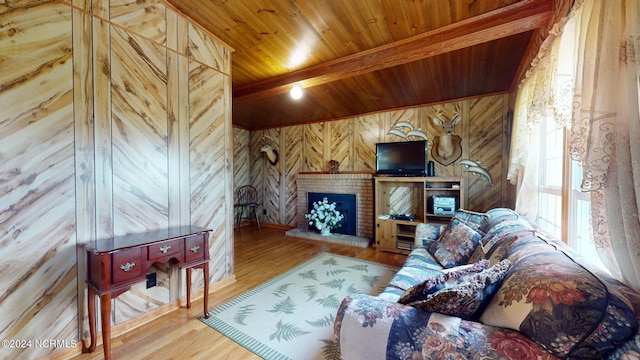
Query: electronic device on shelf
{"x":444,"y":204}
{"x":408,"y":217}
{"x":405,"y":158}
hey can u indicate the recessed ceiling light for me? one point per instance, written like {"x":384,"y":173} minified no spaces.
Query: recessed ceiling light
{"x":299,"y":57}
{"x":296,"y":92}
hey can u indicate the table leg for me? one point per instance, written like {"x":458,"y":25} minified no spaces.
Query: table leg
{"x":91,"y":309}
{"x":188,"y":288}
{"x":205,"y":268}
{"x":105,"y":317}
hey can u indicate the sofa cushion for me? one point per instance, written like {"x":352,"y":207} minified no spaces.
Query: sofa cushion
{"x":419,"y":266}
{"x":560,"y":304}
{"x":456,"y":244}
{"x":431,"y":285}
{"x":475,"y":220}
{"x":427,"y":234}
{"x":367,"y":327}
{"x":468,"y":298}
{"x":500,"y":231}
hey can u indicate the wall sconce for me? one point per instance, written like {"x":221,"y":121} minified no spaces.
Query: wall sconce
{"x":296,"y":92}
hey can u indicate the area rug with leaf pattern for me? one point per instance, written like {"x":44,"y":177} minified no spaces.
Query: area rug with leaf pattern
{"x":291,"y":316}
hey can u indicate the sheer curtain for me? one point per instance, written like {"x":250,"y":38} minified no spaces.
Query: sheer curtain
{"x":587,"y":78}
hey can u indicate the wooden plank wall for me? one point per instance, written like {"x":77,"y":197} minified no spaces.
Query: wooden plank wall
{"x":309,"y":148}
{"x":115,"y":119}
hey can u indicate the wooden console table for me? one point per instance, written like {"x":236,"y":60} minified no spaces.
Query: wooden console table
{"x":114,"y":264}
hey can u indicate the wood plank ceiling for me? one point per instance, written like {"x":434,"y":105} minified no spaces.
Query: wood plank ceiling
{"x":359,"y":56}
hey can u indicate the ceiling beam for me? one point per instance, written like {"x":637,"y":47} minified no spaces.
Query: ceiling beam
{"x":510,"y":20}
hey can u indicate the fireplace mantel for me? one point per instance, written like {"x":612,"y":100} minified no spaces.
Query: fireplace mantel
{"x":360,"y":184}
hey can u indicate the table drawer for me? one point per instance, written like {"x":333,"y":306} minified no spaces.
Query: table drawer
{"x":127,"y":264}
{"x":164,"y":250}
{"x":194,"y":248}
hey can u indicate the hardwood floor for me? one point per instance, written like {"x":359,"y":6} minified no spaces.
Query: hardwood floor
{"x":260,"y":255}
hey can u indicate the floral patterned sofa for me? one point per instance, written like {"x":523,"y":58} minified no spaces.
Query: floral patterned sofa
{"x":491,"y":286}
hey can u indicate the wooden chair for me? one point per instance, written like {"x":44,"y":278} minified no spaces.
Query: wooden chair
{"x":246,"y":197}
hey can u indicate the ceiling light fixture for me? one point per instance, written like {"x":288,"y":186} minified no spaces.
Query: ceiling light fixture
{"x":296,"y":92}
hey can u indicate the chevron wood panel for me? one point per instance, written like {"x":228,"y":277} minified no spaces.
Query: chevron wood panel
{"x":204,"y":49}
{"x":84,"y":129}
{"x":405,"y":199}
{"x":145,"y":18}
{"x":85,"y":148}
{"x":257,"y":162}
{"x":176,"y":133}
{"x":103,"y":126}
{"x":207,"y":157}
{"x":241,"y":164}
{"x":37,"y":203}
{"x":314,"y":139}
{"x":139,"y":134}
{"x":272,"y":179}
{"x":486,"y":146}
{"x":367,"y":130}
{"x":140,"y":149}
{"x":292,"y":166}
{"x":341,"y":148}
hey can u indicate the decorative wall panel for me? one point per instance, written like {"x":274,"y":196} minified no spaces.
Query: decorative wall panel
{"x":139,"y":142}
{"x":272,"y":180}
{"x":241,"y":164}
{"x":146,"y":18}
{"x":207,"y":159}
{"x":341,"y":142}
{"x":314,"y":140}
{"x":487,"y":147}
{"x":37,"y":184}
{"x":139,"y":145}
{"x":258,"y":163}
{"x":293,"y":141}
{"x":367,"y":130}
{"x":204,"y":49}
{"x":104,"y":131}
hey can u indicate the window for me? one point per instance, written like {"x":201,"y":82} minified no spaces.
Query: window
{"x":580,"y":232}
{"x":551,"y":175}
{"x":558,"y":173}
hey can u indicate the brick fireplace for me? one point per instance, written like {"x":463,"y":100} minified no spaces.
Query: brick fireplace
{"x":361,"y":185}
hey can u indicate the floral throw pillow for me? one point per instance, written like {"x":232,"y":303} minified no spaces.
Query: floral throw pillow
{"x":456,"y":244}
{"x":427,"y":233}
{"x":438,"y":282}
{"x":468,"y":298}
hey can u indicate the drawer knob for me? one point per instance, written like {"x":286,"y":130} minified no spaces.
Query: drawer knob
{"x":164,"y":249}
{"x":128,"y":266}
{"x":195,"y":248}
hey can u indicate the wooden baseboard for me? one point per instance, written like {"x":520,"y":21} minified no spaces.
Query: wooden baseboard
{"x":269,"y":225}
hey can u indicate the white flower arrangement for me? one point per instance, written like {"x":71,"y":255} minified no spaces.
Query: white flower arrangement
{"x":324,"y":214}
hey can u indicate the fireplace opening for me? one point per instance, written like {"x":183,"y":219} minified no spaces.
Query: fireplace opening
{"x":345,"y":203}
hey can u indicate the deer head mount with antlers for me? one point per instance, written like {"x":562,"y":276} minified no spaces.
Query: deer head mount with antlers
{"x":447,"y":148}
{"x":267,"y":149}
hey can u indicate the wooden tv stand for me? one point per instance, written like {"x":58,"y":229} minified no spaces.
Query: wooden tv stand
{"x":114,"y":264}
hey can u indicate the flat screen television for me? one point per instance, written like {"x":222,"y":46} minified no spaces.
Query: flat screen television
{"x":405,"y":158}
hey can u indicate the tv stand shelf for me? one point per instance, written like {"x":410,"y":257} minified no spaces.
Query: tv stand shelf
{"x":413,"y":196}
